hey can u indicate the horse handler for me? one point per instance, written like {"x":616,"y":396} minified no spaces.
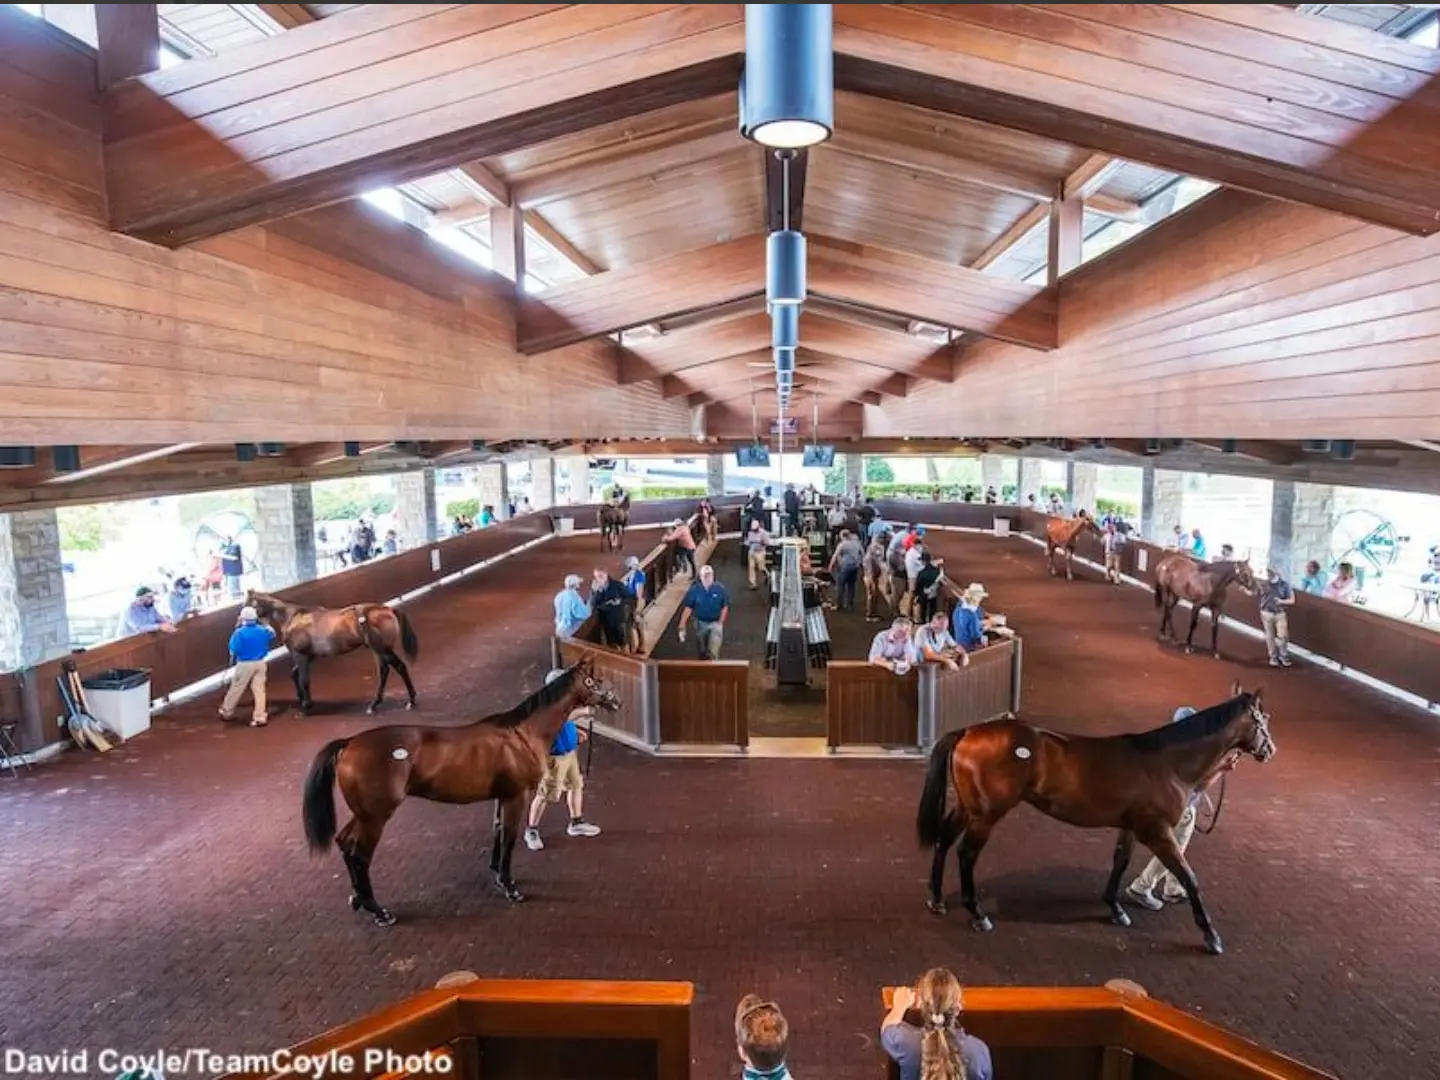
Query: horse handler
{"x":250,"y":644}
{"x":562,"y":775}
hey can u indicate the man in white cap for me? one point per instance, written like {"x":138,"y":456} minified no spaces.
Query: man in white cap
{"x":969,"y":624}
{"x":250,"y":644}
{"x":571,"y":610}
{"x":562,"y":776}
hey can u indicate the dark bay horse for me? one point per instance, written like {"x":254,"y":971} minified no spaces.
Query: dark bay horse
{"x":1181,"y":577}
{"x":1062,"y":534}
{"x":310,"y":633}
{"x":612,"y":519}
{"x":1138,"y":784}
{"x":500,"y":757}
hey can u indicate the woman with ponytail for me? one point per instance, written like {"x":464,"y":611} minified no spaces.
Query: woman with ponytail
{"x":922,"y":1033}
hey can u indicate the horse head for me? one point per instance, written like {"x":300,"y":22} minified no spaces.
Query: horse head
{"x":594,"y":691}
{"x":1244,"y":576}
{"x":1255,"y":737}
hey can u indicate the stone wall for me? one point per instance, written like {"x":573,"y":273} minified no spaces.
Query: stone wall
{"x":416,"y":515}
{"x":1032,"y":475}
{"x":494,"y":484}
{"x":715,"y":475}
{"x":285,"y":527}
{"x":1081,"y":481}
{"x":992,"y":473}
{"x":1302,"y":519}
{"x":33,"y":623}
{"x":542,"y":482}
{"x":1162,"y":503}
{"x":854,"y":472}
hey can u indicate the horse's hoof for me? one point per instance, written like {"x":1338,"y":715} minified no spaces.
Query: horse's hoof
{"x":936,"y":907}
{"x":1213,"y":945}
{"x":983,"y":924}
{"x":1120,"y":918}
{"x":1215,"y":655}
{"x":513,"y":893}
{"x":354,"y":902}
{"x":383,"y":918}
{"x":410,"y":705}
{"x":1189,"y":650}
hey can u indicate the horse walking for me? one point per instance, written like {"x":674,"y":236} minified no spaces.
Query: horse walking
{"x":1138,"y":784}
{"x":500,"y":757}
{"x":310,"y":633}
{"x":612,"y":519}
{"x":1062,"y":534}
{"x":1180,"y":577}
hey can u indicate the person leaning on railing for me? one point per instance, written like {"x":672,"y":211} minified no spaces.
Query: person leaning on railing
{"x":923,"y":1036}
{"x":893,"y":649}
{"x":934,"y":645}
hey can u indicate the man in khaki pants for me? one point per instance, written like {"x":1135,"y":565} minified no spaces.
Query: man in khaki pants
{"x":250,"y":644}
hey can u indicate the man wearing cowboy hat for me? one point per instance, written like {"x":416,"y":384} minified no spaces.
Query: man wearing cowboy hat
{"x":969,"y":619}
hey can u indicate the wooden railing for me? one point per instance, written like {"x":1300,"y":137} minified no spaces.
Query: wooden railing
{"x":986,"y":689}
{"x":634,"y":681}
{"x":867,"y":705}
{"x":198,"y":647}
{"x":513,"y":1029}
{"x":704,"y":702}
{"x":1082,"y":1033}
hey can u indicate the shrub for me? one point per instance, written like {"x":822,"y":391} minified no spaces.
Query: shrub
{"x":643,"y":494}
{"x":469,"y":508}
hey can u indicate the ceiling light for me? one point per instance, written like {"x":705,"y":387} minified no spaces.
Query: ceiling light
{"x":787,"y":90}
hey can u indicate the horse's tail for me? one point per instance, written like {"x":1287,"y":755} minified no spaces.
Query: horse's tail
{"x":408,"y":641}
{"x":319,"y":803}
{"x":930,"y":819}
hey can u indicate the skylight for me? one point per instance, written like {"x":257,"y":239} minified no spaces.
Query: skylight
{"x":1427,"y":34}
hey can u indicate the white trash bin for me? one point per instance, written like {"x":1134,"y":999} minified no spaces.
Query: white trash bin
{"x":120,"y":700}
{"x":565,"y":526}
{"x":1002,"y":526}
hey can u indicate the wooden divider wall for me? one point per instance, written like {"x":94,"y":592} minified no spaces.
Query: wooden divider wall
{"x":704,"y":702}
{"x":989,"y":687}
{"x":868,"y":705}
{"x":632,"y":677}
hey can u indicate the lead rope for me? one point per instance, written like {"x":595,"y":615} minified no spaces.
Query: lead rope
{"x":1215,"y":806}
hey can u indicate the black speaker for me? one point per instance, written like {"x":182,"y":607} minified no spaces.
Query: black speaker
{"x":352,"y":449}
{"x":1343,"y":449}
{"x":245,"y":451}
{"x":271,"y":449}
{"x":478,"y":444}
{"x":1099,"y":443}
{"x":1229,"y":446}
{"x":17,"y":457}
{"x":65,"y":458}
{"x":1315,"y":446}
{"x":1152,"y":446}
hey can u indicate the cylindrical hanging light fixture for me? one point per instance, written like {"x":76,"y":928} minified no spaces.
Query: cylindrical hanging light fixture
{"x":785,"y":268}
{"x":785,"y":326}
{"x":787,"y":91}
{"x":784,"y":359}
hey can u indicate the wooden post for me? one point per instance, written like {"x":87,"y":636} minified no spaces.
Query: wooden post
{"x":507,"y":243}
{"x":77,"y":20}
{"x":128,"y":41}
{"x":1067,"y":217}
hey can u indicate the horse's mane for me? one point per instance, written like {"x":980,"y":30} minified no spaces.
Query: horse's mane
{"x":1201,"y":725}
{"x":543,"y":698}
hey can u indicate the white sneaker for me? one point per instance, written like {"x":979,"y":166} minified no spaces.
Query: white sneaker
{"x":532,"y":840}
{"x":259,"y":721}
{"x":582,"y":828}
{"x":1149,"y":901}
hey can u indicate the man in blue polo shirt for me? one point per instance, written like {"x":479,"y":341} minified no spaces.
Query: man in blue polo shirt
{"x":250,"y":644}
{"x":970,"y":620}
{"x":708,"y":601}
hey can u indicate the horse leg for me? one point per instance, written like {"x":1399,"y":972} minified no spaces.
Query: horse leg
{"x":951,"y":830}
{"x":1215,"y":611}
{"x":971,"y":844}
{"x":495,"y":842}
{"x":1050,"y":557}
{"x":1194,"y":622}
{"x":301,"y":674}
{"x":1069,"y":564}
{"x":1170,"y":856}
{"x":403,"y":670}
{"x":1124,"y":847}
{"x":357,"y":842}
{"x":383,"y":676}
{"x":512,"y":815}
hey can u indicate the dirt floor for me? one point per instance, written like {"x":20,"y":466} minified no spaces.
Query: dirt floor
{"x":162,"y":895}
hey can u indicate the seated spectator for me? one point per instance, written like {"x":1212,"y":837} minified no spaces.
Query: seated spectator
{"x":1314,"y":580}
{"x":892,"y":649}
{"x":969,"y":626}
{"x":761,"y":1037}
{"x":1343,"y":587}
{"x":141,"y":615}
{"x":934,"y":645}
{"x":922,"y":1032}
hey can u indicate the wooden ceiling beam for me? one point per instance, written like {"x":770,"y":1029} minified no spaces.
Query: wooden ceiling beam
{"x":390,"y":93}
{"x":1018,"y":232}
{"x":288,"y":16}
{"x":1274,"y":453}
{"x":1192,"y":88}
{"x":328,"y":453}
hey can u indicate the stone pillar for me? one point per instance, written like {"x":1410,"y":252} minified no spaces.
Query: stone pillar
{"x":992,"y":474}
{"x":1032,"y":475}
{"x":578,"y":470}
{"x":416,"y":515}
{"x":1162,"y":503}
{"x":285,"y":526}
{"x":1302,"y":518}
{"x":495,"y":487}
{"x":542,"y":481}
{"x":854,"y":472}
{"x":1081,"y":478}
{"x":34,"y":626}
{"x":715,"y":475}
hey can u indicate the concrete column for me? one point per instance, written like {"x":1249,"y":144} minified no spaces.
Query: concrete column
{"x":1032,"y":474}
{"x":1081,"y":478}
{"x":285,"y":525}
{"x":1162,"y":503}
{"x":416,"y":515}
{"x":1302,"y":518}
{"x":494,"y":486}
{"x":34,"y":626}
{"x":854,"y":472}
{"x":715,"y":475}
{"x":542,"y":480}
{"x":578,"y":470}
{"x":992,"y":474}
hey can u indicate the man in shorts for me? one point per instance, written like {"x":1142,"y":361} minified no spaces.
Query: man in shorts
{"x":562,"y":774}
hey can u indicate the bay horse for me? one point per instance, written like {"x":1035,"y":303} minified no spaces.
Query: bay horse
{"x":311,"y":633}
{"x":1138,"y":784}
{"x":709,"y":525}
{"x":612,"y":518}
{"x":1062,"y":534}
{"x":500,"y":757}
{"x":1181,"y":577}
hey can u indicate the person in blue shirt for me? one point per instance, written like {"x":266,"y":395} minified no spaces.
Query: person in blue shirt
{"x":969,"y":620}
{"x":1314,"y":580}
{"x":634,"y":580}
{"x":250,"y":647}
{"x":562,"y":776}
{"x":923,"y":1036}
{"x":142,"y":615}
{"x":571,"y":610}
{"x":708,"y":601}
{"x":1197,"y":544}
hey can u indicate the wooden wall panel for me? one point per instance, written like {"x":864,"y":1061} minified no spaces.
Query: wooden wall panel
{"x":343,"y":325}
{"x":704,"y":702}
{"x":1238,"y":318}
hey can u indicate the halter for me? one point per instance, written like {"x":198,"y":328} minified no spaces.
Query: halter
{"x":1264,"y":747}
